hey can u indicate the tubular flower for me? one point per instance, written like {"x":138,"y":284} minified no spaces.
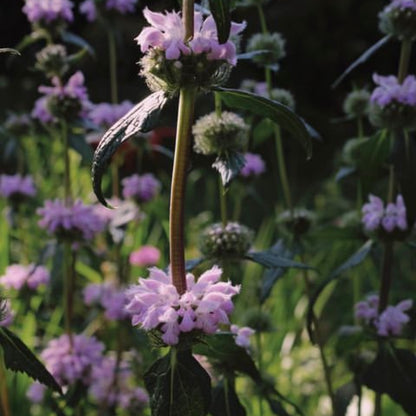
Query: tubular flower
{"x":48,"y":11}
{"x":254,"y":165}
{"x":17,"y":276}
{"x":156,"y":304}
{"x":142,"y":188}
{"x":106,"y":114}
{"x":145,"y":256}
{"x":170,"y":62}
{"x":16,"y":187}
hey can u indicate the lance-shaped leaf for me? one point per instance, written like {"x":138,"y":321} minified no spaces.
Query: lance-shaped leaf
{"x":357,"y":258}
{"x":178,"y":387}
{"x":141,"y":118}
{"x":367,"y":54}
{"x":272,"y":260}
{"x":18,"y":357}
{"x":76,"y":40}
{"x":229,"y":165}
{"x":264,"y":107}
{"x":220,"y":10}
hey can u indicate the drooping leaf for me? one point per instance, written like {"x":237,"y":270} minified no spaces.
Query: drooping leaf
{"x":76,"y":40}
{"x":229,"y":165}
{"x":363,"y":58}
{"x":183,"y":390}
{"x":357,"y":258}
{"x":343,"y":396}
{"x":393,"y":372}
{"x":33,"y":37}
{"x":264,"y":107}
{"x":141,"y":118}
{"x":19,"y":358}
{"x":225,"y":401}
{"x":220,"y":10}
{"x":272,"y":260}
{"x":9,"y":50}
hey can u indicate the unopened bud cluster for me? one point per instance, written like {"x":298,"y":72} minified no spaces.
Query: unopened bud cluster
{"x":217,"y":134}
{"x":399,"y":19}
{"x":52,"y":60}
{"x":357,"y":103}
{"x":298,"y":220}
{"x":233,"y":240}
{"x":271,"y":46}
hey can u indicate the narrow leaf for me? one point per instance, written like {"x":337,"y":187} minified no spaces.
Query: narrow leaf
{"x":220,"y":10}
{"x":229,"y":165}
{"x":141,"y":118}
{"x":344,"y":172}
{"x":274,"y":110}
{"x":271,"y":260}
{"x":366,"y":55}
{"x":76,"y":40}
{"x":357,"y":258}
{"x":9,"y":50}
{"x":18,"y":357}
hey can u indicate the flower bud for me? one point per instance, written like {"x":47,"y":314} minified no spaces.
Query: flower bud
{"x":298,"y":221}
{"x":357,"y":103}
{"x":273,"y":43}
{"x":232,"y":240}
{"x":218,"y":134}
{"x":399,"y":19}
{"x":283,"y":96}
{"x":52,"y":60}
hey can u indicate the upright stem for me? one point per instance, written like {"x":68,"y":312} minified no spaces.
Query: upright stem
{"x":67,"y":164}
{"x":188,"y":19}
{"x":260,"y":365}
{"x":177,"y":197}
{"x":4,"y":395}
{"x":69,"y":287}
{"x":386,"y":276}
{"x":223,"y":202}
{"x":262,"y":19}
{"x":405,"y":53}
{"x":282,"y":169}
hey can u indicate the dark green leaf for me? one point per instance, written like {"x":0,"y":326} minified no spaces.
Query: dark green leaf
{"x":343,"y":397}
{"x":393,"y":372}
{"x":357,"y":258}
{"x":276,"y":407}
{"x":185,"y":392}
{"x":225,"y":401}
{"x":141,"y":118}
{"x":220,"y":10}
{"x":229,"y":165}
{"x":34,"y":36}
{"x":367,"y":54}
{"x":18,"y":357}
{"x":272,"y":260}
{"x":9,"y":50}
{"x":277,"y":112}
{"x":76,"y":40}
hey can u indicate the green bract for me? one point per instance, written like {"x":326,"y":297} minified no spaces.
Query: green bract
{"x":357,"y":103}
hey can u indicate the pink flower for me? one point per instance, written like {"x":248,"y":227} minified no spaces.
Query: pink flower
{"x":243,"y":335}
{"x":389,"y":90}
{"x":156,"y":304}
{"x":16,"y":185}
{"x":143,"y":188}
{"x":89,"y":9}
{"x":17,"y":276}
{"x":367,"y":310}
{"x":48,"y":10}
{"x":393,"y":318}
{"x":254,"y":165}
{"x":167,"y":33}
{"x":106,"y":114}
{"x":36,"y":392}
{"x":145,"y":256}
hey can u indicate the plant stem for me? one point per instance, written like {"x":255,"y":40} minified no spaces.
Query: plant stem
{"x":405,"y":53}
{"x":4,"y":395}
{"x":177,"y":198}
{"x":226,"y":398}
{"x":67,"y":164}
{"x":188,"y":19}
{"x":386,"y":276}
{"x":69,"y":287}
{"x":223,"y":202}
{"x":282,"y":169}
{"x":260,"y":365}
{"x":377,"y":404}
{"x":262,"y":19}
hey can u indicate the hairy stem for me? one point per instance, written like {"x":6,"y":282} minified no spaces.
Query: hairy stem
{"x":223,"y":202}
{"x":177,"y":197}
{"x":405,"y":53}
{"x":188,"y":19}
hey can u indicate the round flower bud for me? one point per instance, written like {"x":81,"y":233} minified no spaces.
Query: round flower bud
{"x":259,"y":320}
{"x":297,"y":221}
{"x":284,"y":97}
{"x":399,"y":19}
{"x":357,"y":103}
{"x":273,"y":43}
{"x":52,"y":60}
{"x":217,"y":134}
{"x":233,"y":240}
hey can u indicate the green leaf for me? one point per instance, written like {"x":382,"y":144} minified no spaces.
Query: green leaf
{"x":18,"y":357}
{"x":141,"y":118}
{"x":33,"y":37}
{"x":9,"y":50}
{"x":343,"y":397}
{"x":225,"y":401}
{"x":220,"y":10}
{"x":393,"y":372}
{"x":76,"y":40}
{"x":178,"y":386}
{"x":357,"y":258}
{"x":363,"y":58}
{"x":79,"y":144}
{"x":229,"y":165}
{"x":276,"y":407}
{"x":274,"y":110}
{"x":273,"y":260}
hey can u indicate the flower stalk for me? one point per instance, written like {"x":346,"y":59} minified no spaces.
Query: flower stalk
{"x":177,"y":199}
{"x":4,"y":395}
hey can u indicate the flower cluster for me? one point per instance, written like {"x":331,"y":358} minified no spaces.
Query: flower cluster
{"x":145,"y":256}
{"x":232,"y":240}
{"x":156,"y":304}
{"x":111,"y":298}
{"x":16,"y":187}
{"x":242,"y":335}
{"x":254,"y":165}
{"x":48,"y":11}
{"x":215,"y":134}
{"x":71,"y":360}
{"x":89,"y":7}
{"x":76,"y":221}
{"x":17,"y":276}
{"x":105,"y":114}
{"x":142,"y":188}
{"x":389,"y":218}
{"x":112,"y":384}
{"x":52,"y":60}
{"x":69,"y":101}
{"x":390,"y":321}
{"x":171,"y":62}
{"x":393,"y":103}
{"x":399,"y":19}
